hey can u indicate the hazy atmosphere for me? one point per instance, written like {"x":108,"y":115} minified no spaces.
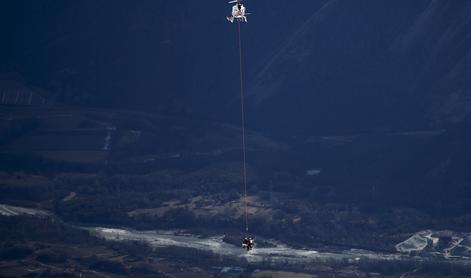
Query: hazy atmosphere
{"x":123,"y":152}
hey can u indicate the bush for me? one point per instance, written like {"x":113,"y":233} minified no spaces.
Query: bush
{"x":15,"y":253}
{"x":50,"y":257}
{"x":109,"y":266}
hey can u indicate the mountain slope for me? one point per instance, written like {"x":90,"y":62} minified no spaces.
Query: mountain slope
{"x":367,"y":66}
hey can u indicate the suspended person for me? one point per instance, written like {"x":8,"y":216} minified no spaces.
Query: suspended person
{"x":248,"y":243}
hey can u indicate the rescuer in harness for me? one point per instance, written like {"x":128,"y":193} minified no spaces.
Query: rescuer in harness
{"x":248,"y":243}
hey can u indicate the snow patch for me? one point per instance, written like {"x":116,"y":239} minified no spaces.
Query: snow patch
{"x":107,"y":145}
{"x":446,"y":244}
{"x":280,"y":253}
{"x":9,"y":211}
{"x":417,"y":242}
{"x":313,"y":172}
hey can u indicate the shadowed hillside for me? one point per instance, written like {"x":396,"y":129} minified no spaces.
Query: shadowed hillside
{"x":369,"y":66}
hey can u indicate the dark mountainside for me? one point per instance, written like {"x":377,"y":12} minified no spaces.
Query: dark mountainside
{"x":368,"y":66}
{"x":177,"y":56}
{"x":127,"y":114}
{"x":344,"y":68}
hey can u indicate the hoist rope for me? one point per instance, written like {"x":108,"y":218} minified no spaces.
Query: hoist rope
{"x":242,"y":113}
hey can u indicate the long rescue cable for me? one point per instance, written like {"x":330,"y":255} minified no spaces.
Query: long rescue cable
{"x":242,"y":113}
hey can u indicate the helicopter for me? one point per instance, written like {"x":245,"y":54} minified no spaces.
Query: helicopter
{"x":238,"y":12}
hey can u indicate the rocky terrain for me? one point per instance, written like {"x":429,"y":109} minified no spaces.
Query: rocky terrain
{"x":60,"y":249}
{"x":120,"y":143}
{"x":102,"y":168}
